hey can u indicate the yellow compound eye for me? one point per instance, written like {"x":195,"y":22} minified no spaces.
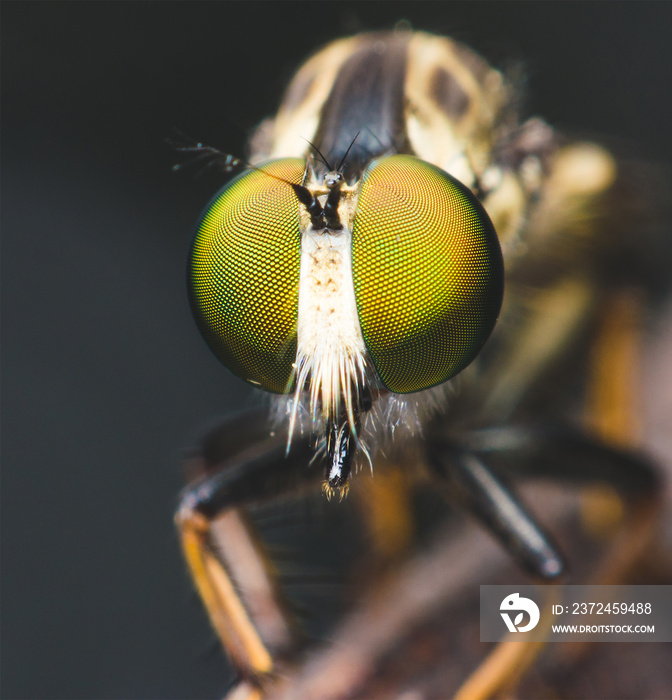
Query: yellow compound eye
{"x":427,"y":271}
{"x":243,"y":274}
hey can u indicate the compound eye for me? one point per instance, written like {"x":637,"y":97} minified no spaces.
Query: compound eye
{"x":243,"y":274}
{"x":427,"y":271}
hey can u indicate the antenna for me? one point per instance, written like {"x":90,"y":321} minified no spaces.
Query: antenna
{"x":352,"y":143}
{"x":320,"y":217}
{"x":319,"y":153}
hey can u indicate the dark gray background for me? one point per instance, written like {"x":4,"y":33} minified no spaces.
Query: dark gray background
{"x":105,"y":377}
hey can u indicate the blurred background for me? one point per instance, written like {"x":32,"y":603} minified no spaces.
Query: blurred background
{"x":105,"y":378}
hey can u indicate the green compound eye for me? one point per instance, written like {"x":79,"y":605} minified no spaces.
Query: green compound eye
{"x":243,"y":274}
{"x":427,"y":271}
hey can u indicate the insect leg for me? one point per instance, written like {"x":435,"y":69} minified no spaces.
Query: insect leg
{"x":240,"y":464}
{"x":567,"y":454}
{"x":466,"y":477}
{"x":612,"y":404}
{"x":387,"y":509}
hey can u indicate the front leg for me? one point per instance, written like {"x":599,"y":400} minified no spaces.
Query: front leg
{"x":464,"y":476}
{"x":240,"y":464}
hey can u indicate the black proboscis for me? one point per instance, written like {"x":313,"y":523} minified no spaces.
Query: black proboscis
{"x":341,"y":448}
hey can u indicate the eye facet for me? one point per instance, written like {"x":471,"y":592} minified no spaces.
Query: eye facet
{"x":243,"y":274}
{"x":427,"y":271}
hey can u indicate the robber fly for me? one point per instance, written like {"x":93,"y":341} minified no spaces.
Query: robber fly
{"x":415,"y":275}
